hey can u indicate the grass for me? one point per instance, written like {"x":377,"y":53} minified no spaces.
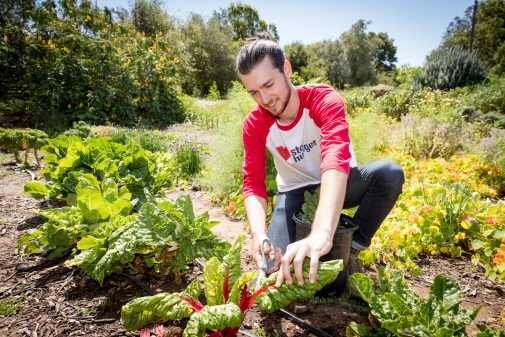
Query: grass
{"x":367,"y":129}
{"x":11,"y":306}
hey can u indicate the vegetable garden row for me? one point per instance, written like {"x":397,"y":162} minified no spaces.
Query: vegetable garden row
{"x":114,"y":217}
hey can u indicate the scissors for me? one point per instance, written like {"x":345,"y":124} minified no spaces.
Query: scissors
{"x":262,"y":272}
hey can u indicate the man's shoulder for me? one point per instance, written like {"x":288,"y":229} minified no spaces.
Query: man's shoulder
{"x":315,"y":88}
{"x":313,"y":95}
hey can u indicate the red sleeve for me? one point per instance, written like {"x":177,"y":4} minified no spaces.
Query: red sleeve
{"x":254,"y":137}
{"x":327,"y":109}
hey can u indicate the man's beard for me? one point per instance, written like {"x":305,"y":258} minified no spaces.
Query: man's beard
{"x":284,"y":103}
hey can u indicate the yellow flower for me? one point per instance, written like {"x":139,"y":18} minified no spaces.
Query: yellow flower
{"x":6,"y":38}
{"x":460,"y":236}
{"x":81,"y":104}
{"x":104,"y":46}
{"x":88,"y":18}
{"x":69,"y":106}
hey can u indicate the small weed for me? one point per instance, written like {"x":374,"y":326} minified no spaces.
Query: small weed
{"x":86,"y":311}
{"x":11,"y":306}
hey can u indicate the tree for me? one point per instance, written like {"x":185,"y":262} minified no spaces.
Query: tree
{"x":245,"y":21}
{"x":211,"y":51}
{"x":489,"y":39}
{"x":15,"y":11}
{"x":149,"y":18}
{"x":297,"y":55}
{"x":358,"y":51}
{"x":383,"y":51}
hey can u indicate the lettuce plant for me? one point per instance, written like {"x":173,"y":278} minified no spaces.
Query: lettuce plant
{"x":227,"y":297}
{"x":401,"y":312}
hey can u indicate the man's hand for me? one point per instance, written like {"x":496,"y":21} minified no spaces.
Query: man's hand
{"x":271,"y":255}
{"x":314,"y":246}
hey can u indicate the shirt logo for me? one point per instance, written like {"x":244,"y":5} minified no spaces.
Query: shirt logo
{"x":284,"y":152}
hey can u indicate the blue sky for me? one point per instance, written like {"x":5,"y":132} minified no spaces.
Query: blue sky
{"x":417,"y":26}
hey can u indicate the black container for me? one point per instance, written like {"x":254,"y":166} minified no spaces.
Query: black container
{"x":340,"y":250}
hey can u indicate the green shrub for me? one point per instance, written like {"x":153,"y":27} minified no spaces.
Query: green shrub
{"x":357,"y":98}
{"x":395,"y":103}
{"x":451,"y":67}
{"x":485,"y":97}
{"x":80,"y":129}
{"x":189,"y":160}
{"x":76,"y":63}
{"x":424,"y":137}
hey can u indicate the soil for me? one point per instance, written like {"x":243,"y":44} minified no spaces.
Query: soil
{"x":60,"y":301}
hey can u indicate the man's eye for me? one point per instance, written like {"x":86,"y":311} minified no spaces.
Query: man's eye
{"x":268,"y":85}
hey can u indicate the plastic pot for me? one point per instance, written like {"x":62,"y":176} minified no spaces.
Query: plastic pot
{"x":340,"y":250}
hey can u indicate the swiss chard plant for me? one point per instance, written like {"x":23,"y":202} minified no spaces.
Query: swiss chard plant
{"x":401,"y":312}
{"x":69,"y":157}
{"x":227,"y":298}
{"x":103,"y":237}
{"x":165,"y":236}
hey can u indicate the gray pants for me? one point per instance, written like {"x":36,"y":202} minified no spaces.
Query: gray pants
{"x":373,"y":187}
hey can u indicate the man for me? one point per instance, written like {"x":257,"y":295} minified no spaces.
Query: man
{"x":305,"y":130}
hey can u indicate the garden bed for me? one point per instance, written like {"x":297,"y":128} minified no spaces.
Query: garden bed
{"x":55,"y":300}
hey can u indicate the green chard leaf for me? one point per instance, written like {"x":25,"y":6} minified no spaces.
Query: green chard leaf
{"x":158,"y":308}
{"x":36,"y":189}
{"x":217,"y":317}
{"x":213,"y":279}
{"x":276,"y":298}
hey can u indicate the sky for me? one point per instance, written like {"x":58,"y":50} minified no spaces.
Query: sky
{"x":416,"y":26}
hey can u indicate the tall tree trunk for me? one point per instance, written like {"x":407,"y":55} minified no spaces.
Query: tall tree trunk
{"x":474,"y":22}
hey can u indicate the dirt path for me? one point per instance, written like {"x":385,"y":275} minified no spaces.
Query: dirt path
{"x":62,"y":301}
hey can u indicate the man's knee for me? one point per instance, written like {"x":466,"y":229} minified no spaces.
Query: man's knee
{"x":391,"y":177}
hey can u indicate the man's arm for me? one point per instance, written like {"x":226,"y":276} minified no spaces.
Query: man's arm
{"x":256,"y":209}
{"x":320,"y":239}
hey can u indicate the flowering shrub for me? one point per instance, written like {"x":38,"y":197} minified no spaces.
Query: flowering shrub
{"x":76,"y":63}
{"x":442,"y":211}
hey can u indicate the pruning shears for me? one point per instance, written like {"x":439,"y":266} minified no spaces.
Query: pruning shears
{"x":262,"y":272}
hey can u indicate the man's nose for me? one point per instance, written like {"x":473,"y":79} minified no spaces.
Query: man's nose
{"x":265,"y":98}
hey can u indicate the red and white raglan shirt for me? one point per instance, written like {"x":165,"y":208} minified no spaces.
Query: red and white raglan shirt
{"x":318,"y":140}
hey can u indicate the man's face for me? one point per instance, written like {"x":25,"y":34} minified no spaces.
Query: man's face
{"x":268,"y":86}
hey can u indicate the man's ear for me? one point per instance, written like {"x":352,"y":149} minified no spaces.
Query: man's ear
{"x":288,"y":70}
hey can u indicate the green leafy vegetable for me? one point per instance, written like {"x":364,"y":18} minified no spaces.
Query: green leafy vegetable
{"x":226,"y":306}
{"x":277,"y":298}
{"x":309,"y":207}
{"x":161,"y":307}
{"x":217,"y":317}
{"x":401,"y":312}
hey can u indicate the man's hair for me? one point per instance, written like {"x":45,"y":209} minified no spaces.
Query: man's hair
{"x":255,"y":49}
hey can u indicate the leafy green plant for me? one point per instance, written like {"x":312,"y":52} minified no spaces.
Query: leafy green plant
{"x":103,"y":238}
{"x":80,"y":129}
{"x":69,"y":157}
{"x":227,"y":297}
{"x":16,"y":140}
{"x":97,"y":207}
{"x":164,"y":237}
{"x":451,"y":67}
{"x":489,"y":332}
{"x":401,"y":312}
